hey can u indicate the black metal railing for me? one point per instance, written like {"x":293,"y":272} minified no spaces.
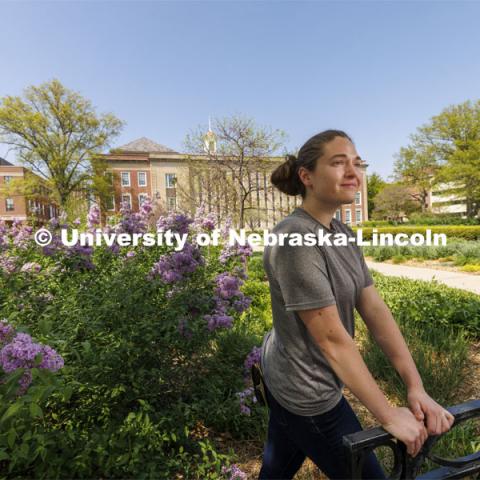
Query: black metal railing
{"x":359,"y":444}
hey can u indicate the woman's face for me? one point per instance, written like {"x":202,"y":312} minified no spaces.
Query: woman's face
{"x":337,"y":175}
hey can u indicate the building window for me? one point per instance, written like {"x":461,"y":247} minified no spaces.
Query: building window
{"x":142,"y":179}
{"x":170,"y":180}
{"x":7,"y":179}
{"x":338,"y":215}
{"x":348,"y":216}
{"x":358,"y":198}
{"x":125,"y":179}
{"x":358,"y":215}
{"x":110,"y":203}
{"x":9,"y":207}
{"x":171,"y":203}
{"x":141,"y":198}
{"x":127,"y":198}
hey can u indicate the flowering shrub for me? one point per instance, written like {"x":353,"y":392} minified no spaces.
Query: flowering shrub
{"x":145,"y":333}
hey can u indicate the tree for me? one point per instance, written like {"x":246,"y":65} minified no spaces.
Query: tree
{"x":375,"y":184}
{"x":235,"y":153}
{"x":450,"y":144}
{"x":394,"y":202}
{"x":57,"y":134}
{"x":416,"y":166}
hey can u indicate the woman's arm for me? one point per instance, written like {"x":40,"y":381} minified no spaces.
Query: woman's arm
{"x":341,"y":352}
{"x":379,"y":320}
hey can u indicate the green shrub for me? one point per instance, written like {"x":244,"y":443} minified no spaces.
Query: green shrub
{"x":469,"y":232}
{"x":437,"y":323}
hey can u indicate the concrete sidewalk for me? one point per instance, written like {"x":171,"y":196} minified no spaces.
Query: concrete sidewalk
{"x":464,"y":281}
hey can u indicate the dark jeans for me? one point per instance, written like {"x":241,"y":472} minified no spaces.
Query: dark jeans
{"x":292,"y":438}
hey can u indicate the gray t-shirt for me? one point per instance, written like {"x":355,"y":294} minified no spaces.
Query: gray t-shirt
{"x":295,"y":369}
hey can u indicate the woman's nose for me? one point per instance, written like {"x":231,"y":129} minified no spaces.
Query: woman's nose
{"x":350,"y":170}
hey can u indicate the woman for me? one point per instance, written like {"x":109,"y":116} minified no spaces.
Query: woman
{"x":310,"y":354}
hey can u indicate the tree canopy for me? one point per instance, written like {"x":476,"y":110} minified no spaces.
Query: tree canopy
{"x":445,"y":150}
{"x":229,"y":173}
{"x":57,"y":134}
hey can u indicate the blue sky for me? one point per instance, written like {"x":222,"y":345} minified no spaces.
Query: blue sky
{"x":377,"y":70}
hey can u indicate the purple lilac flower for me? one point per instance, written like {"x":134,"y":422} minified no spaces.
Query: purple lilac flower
{"x":242,"y":251}
{"x":115,"y":248}
{"x":30,"y":267}
{"x":253,"y":357}
{"x":239,"y":271}
{"x":235,"y":472}
{"x":3,"y":235}
{"x":53,"y":223}
{"x":244,"y":396}
{"x":134,"y":222}
{"x":21,"y":353}
{"x":225,"y":230}
{"x":6,"y":331}
{"x":175,"y":266}
{"x":202,"y":220}
{"x":241,"y":304}
{"x":130,"y":254}
{"x":227,"y":285}
{"x":54,"y":246}
{"x":21,"y":234}
{"x":227,"y":295}
{"x":77,"y":222}
{"x":146,"y":209}
{"x":93,"y":217}
{"x":45,"y":297}
{"x":176,"y":222}
{"x":7,"y":264}
{"x":218,"y":320}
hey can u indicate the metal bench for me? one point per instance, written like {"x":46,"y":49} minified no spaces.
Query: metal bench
{"x":406,"y":467}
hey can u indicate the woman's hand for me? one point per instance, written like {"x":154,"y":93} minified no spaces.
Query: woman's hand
{"x":421,"y":404}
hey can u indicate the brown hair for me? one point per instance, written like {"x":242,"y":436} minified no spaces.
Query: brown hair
{"x":285,"y":176}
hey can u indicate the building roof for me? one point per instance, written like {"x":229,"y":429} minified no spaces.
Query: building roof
{"x":145,"y":145}
{"x":4,"y":163}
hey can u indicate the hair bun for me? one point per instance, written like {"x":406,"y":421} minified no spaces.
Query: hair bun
{"x":291,"y":159}
{"x":285,"y":176}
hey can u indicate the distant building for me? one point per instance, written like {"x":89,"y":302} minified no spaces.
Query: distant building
{"x":144,"y":167}
{"x":444,"y":198}
{"x":18,"y":206}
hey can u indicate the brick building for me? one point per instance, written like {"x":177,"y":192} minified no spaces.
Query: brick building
{"x":16,"y":205}
{"x":178,"y":181}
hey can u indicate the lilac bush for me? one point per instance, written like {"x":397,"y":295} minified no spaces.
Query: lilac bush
{"x":111,"y":313}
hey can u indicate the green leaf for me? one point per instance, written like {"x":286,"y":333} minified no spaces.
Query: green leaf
{"x":12,"y":410}
{"x":35,"y":410}
{"x":12,"y":435}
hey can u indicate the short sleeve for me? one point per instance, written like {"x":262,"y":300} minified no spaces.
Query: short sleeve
{"x":302,"y":276}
